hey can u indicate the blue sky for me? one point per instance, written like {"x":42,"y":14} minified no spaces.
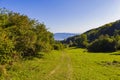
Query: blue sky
{"x":75,"y":16}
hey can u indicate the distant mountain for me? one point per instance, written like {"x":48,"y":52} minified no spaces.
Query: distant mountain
{"x":62,"y":36}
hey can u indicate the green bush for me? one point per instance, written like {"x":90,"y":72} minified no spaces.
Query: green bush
{"x":6,"y":47}
{"x":58,"y":46}
{"x":22,"y":37}
{"x":102,"y":45}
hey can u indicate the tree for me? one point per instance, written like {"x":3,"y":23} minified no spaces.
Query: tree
{"x":117,"y":41}
{"x":22,"y":36}
{"x":82,"y":41}
{"x":6,"y":47}
{"x":102,"y":45}
{"x":44,"y":38}
{"x":58,"y":45}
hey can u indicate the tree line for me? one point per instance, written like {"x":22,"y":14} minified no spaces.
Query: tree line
{"x":103,"y":39}
{"x":21,"y":36}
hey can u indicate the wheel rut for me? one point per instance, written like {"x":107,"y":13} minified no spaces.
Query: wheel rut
{"x":63,"y":70}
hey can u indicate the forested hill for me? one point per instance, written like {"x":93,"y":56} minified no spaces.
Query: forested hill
{"x":110,"y":29}
{"x":109,"y":32}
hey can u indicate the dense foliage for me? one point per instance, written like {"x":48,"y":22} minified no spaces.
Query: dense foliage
{"x":103,"y":39}
{"x":103,"y":44}
{"x":21,"y":36}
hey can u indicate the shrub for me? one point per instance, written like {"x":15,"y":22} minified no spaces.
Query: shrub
{"x":102,"y":45}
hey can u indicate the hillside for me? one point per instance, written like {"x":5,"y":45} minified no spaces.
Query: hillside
{"x":107,"y":36}
{"x":109,"y":29}
{"x":62,"y":36}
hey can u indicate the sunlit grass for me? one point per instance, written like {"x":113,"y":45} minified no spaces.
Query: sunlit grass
{"x":35,"y":69}
{"x":70,"y":64}
{"x":88,"y":66}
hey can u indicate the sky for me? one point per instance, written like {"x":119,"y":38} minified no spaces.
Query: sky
{"x":70,"y":16}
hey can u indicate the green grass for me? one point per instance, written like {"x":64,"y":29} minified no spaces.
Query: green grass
{"x":90,"y":66}
{"x":35,"y":69}
{"x":70,"y":64}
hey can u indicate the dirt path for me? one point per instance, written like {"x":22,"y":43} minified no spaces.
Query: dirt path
{"x":63,"y":71}
{"x":70,"y":70}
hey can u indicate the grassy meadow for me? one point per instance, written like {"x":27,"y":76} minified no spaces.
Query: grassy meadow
{"x":70,"y":64}
{"x":94,"y":66}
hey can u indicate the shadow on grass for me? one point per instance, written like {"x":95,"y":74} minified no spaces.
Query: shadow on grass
{"x":99,"y":52}
{"x":115,"y":54}
{"x":40,"y":55}
{"x":110,"y":63}
{"x":76,"y":48}
{"x":72,"y":48}
{"x":103,"y":52}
